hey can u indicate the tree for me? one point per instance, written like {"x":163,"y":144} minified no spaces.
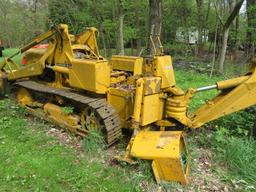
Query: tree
{"x":4,"y":8}
{"x":64,"y":11}
{"x":235,"y":8}
{"x":120,"y":36}
{"x":21,"y":20}
{"x":154,"y":26}
{"x":251,"y":29}
{"x":200,"y":24}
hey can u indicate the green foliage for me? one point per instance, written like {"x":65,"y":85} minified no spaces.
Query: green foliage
{"x":102,"y":14}
{"x":21,"y":20}
{"x":177,"y":49}
{"x":65,"y":11}
{"x":67,"y":110}
{"x":240,"y":123}
{"x":25,"y":19}
{"x":32,"y":161}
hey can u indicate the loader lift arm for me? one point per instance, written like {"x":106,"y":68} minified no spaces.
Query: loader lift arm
{"x":31,"y":44}
{"x":61,"y":40}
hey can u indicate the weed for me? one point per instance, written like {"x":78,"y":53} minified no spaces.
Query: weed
{"x":239,"y":154}
{"x":94,"y":143}
{"x":145,"y":168}
{"x":67,"y":110}
{"x":170,"y":186}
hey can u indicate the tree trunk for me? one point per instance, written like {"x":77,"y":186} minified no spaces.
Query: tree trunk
{"x":237,"y":26}
{"x":103,"y":39}
{"x":205,"y":26}
{"x":223,"y":49}
{"x":120,"y":40}
{"x":132,"y":47}
{"x":226,"y":26}
{"x":100,"y":19}
{"x":214,"y":46}
{"x":139,"y":49}
{"x":120,"y":36}
{"x":138,"y":36}
{"x":109,"y":51}
{"x":200,"y":19}
{"x":251,"y":30}
{"x":154,"y":24}
{"x":35,"y":13}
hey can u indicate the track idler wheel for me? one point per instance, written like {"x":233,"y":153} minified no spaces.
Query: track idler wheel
{"x":89,"y":121}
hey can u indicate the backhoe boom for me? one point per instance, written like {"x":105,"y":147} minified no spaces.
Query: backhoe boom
{"x":236,"y":94}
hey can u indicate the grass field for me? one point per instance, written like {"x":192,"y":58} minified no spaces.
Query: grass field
{"x":32,"y":159}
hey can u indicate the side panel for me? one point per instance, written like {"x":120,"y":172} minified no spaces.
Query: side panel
{"x":127,"y":63}
{"x":89,"y":75}
{"x":152,"y":109}
{"x":121,"y":100}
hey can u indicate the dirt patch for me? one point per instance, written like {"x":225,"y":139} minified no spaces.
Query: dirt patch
{"x":203,"y":178}
{"x":65,"y":138}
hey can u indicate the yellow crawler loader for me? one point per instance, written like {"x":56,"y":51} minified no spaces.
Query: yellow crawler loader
{"x":138,"y":93}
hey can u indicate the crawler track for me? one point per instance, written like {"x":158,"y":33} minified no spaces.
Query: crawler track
{"x":105,"y":113}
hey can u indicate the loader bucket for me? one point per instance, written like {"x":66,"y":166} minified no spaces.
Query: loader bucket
{"x":167,"y":150}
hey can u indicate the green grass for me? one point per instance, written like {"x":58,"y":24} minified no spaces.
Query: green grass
{"x":237,"y":154}
{"x":240,"y":156}
{"x":9,"y":52}
{"x":32,"y":161}
{"x":94,"y":143}
{"x":192,"y":79}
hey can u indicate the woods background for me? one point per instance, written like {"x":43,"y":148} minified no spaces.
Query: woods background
{"x":198,"y":28}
